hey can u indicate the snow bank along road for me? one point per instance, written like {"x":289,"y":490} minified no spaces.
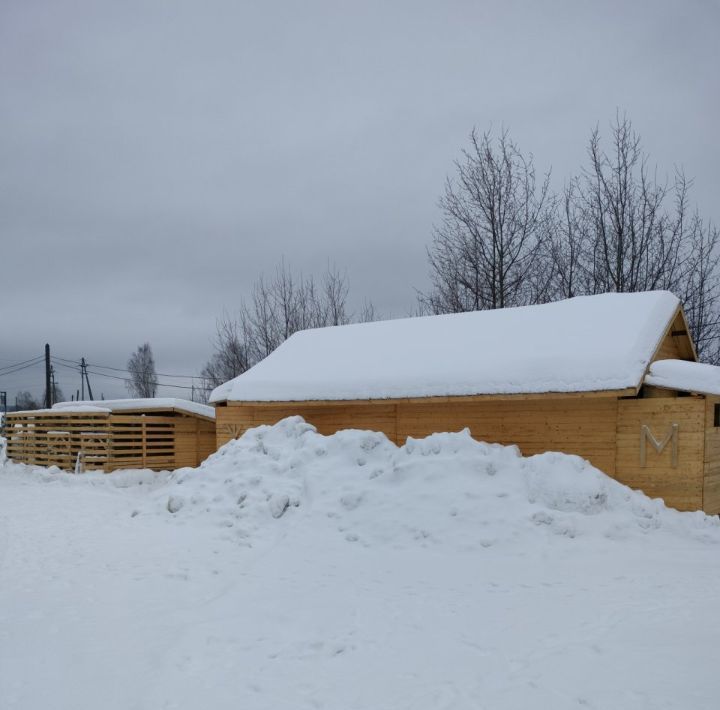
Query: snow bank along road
{"x":293,"y":570}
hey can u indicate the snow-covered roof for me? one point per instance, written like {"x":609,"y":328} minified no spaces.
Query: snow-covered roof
{"x":582,"y":344}
{"x":684,"y":376}
{"x":138,"y":405}
{"x":76,"y":407}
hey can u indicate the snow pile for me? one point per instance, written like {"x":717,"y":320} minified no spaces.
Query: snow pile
{"x":122,"y":478}
{"x":125,"y":478}
{"x":446,"y":573}
{"x":446,"y":489}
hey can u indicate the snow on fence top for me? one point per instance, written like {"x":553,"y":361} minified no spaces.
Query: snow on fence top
{"x":138,"y":405}
{"x":684,"y":376}
{"x":76,"y":407}
{"x":582,"y":344}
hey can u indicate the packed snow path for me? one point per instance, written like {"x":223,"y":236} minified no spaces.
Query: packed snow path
{"x":300,"y":571}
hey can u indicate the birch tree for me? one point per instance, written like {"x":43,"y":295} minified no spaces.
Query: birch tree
{"x":493,"y":230}
{"x":143,"y":380}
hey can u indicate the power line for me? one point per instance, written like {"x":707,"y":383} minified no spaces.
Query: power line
{"x":24,"y":367}
{"x":159,"y":374}
{"x":3,"y":359}
{"x":127,"y":379}
{"x":123,"y":369}
{"x":74,"y":368}
{"x":77,"y":368}
{"x":32,"y":361}
{"x":64,"y":359}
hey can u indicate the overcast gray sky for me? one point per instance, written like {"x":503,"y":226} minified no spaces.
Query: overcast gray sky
{"x":155,"y":157}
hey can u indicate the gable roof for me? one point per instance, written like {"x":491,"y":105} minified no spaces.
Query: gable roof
{"x":583,"y":344}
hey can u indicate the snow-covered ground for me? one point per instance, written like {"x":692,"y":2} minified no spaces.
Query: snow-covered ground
{"x":298,"y":571}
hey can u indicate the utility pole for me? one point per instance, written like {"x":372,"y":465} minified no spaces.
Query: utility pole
{"x":48,"y":394}
{"x":3,"y":401}
{"x":52,"y":389}
{"x":84,"y":378}
{"x":87,"y":379}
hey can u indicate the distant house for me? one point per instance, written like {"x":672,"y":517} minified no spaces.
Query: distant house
{"x":612,"y":378}
{"x":161,"y":433}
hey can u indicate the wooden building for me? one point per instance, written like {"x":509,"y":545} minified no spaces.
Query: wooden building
{"x":613,"y":378}
{"x":161,"y":434}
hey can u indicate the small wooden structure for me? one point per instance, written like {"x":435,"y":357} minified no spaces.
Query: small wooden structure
{"x":160,"y":434}
{"x":612,"y":378}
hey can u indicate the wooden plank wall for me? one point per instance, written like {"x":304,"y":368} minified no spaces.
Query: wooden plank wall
{"x":185,"y":453}
{"x":711,"y":480}
{"x":582,"y":426}
{"x":232,"y":421}
{"x":604,"y":430}
{"x":669,"y":349}
{"x":141,"y":441}
{"x":680,"y":486}
{"x":194,"y":440}
{"x":206,"y":440}
{"x":109,"y":441}
{"x":46,"y":439}
{"x":676,"y":343}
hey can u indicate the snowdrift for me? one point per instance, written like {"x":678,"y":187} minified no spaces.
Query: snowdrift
{"x":294,"y":570}
{"x":446,"y":489}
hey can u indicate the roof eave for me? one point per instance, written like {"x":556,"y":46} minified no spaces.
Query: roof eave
{"x":518,"y":396}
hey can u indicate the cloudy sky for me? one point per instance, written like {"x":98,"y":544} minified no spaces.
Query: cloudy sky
{"x":157,"y":156}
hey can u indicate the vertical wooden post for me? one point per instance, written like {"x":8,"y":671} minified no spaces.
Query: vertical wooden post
{"x":48,"y":393}
{"x":144,"y":442}
{"x":109,"y":464}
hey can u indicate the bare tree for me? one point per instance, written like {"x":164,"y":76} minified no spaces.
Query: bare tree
{"x":701,"y":288}
{"x":635,"y":242}
{"x":25,"y":401}
{"x":233,"y":353}
{"x":277,"y":308}
{"x":288,"y":303}
{"x":57,"y":394}
{"x":618,"y":228}
{"x":504,"y":240}
{"x":333,"y":301}
{"x":566,"y":257}
{"x":495,"y":224}
{"x":368,"y":313}
{"x":143,"y":378}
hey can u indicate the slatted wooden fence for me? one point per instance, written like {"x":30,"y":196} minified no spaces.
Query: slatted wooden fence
{"x":108,"y":441}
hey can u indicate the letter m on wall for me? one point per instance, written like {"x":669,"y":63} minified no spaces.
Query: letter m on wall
{"x":671,"y":437}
